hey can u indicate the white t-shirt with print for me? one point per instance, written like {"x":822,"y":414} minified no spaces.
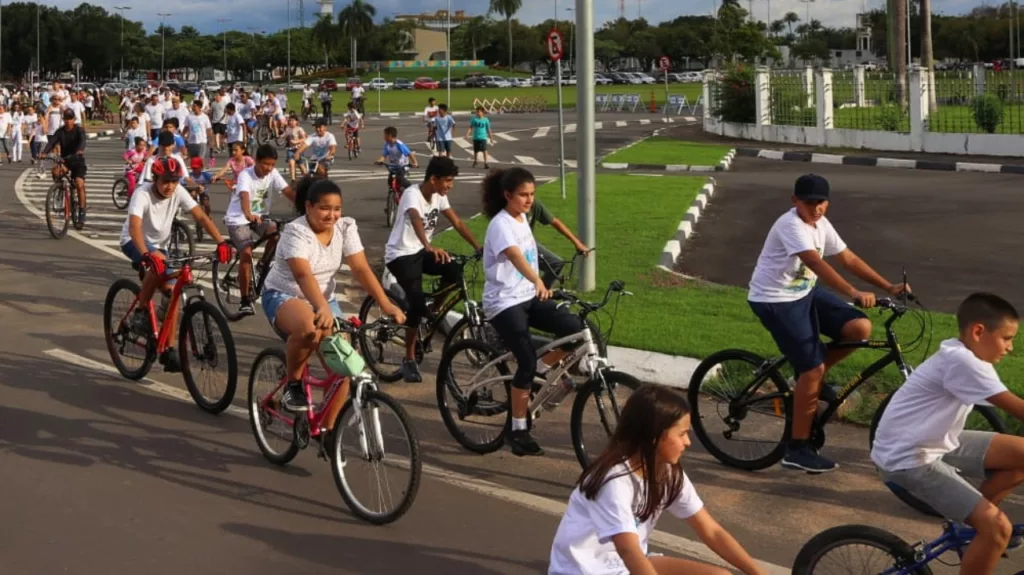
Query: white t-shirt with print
{"x":780,"y":275}
{"x":298,"y":240}
{"x":504,"y":286}
{"x":926,"y":415}
{"x":583,"y":542}
{"x":197,"y":127}
{"x":157,"y":213}
{"x":429,"y":113}
{"x":235,"y":127}
{"x":352,"y":119}
{"x":261,"y":194}
{"x":403,"y":240}
{"x":320,"y":146}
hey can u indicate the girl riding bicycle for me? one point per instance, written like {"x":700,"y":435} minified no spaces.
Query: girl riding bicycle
{"x":298,"y":295}
{"x":236,"y":164}
{"x":135,"y":161}
{"x":620,"y":496}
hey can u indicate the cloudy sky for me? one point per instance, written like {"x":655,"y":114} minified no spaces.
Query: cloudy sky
{"x":270,"y":15}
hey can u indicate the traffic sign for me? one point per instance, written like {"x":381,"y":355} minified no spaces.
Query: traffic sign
{"x":665,"y":63}
{"x":555,"y":45}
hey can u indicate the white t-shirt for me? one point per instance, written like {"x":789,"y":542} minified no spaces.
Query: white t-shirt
{"x":320,"y":146}
{"x":429,"y":113}
{"x":357,"y":92}
{"x":403,"y":240}
{"x":235,"y":125}
{"x":157,"y":213}
{"x":5,"y":123}
{"x":298,"y":240}
{"x":197,"y":127}
{"x":147,"y":170}
{"x":181,"y":113}
{"x":926,"y":415}
{"x":504,"y":286}
{"x":156,"y":112}
{"x":779,"y":275}
{"x":261,"y":194}
{"x":583,"y":543}
{"x":352,"y":118}
{"x":79,"y":109}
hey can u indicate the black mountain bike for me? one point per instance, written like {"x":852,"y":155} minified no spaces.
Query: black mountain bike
{"x":225,"y":278}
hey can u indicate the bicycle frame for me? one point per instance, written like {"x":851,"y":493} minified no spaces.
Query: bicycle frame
{"x":450,"y":296}
{"x":163,"y":331}
{"x":953,"y":538}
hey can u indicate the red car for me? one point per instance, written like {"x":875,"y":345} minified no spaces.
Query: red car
{"x":329,"y":85}
{"x":352,"y":83}
{"x":425,"y":83}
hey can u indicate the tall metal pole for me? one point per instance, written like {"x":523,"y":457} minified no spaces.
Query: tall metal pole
{"x":289,"y":87}
{"x":585,"y":155}
{"x":448,"y":52}
{"x":39,"y":62}
{"x":121,"y":9}
{"x":909,"y":46}
{"x":163,"y":43}
{"x":572,"y":32}
{"x":225,"y":33}
{"x":561,"y":117}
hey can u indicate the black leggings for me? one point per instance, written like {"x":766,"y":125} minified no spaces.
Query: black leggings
{"x":514,"y":323}
{"x":408,"y":272}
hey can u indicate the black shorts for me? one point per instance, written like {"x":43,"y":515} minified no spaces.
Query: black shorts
{"x":444,"y":146}
{"x":479,"y":146}
{"x":76,"y":166}
{"x":220,"y":129}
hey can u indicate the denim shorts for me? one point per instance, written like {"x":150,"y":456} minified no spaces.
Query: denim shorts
{"x":796,"y":326}
{"x":271,"y":300}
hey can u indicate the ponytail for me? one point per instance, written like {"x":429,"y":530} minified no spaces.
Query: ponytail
{"x":498,"y":183}
{"x":310,"y":189}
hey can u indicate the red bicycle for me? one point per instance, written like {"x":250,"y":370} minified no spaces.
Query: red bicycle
{"x":350,"y":143}
{"x":134,"y":348}
{"x":397,"y":183}
{"x":121,"y":191}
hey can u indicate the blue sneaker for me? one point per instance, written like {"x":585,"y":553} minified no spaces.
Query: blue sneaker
{"x":805,"y":458}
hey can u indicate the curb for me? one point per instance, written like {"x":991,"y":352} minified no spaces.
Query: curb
{"x":879,"y":162}
{"x":671,"y":251}
{"x":95,"y":135}
{"x":722,"y":166}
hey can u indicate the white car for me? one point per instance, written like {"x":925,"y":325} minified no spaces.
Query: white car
{"x":378,"y":84}
{"x":601,"y":80}
{"x":497,"y":82}
{"x":209,"y":85}
{"x":520,"y":82}
{"x":543,"y":81}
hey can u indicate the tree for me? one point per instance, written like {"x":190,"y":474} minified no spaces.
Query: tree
{"x":475,"y":33}
{"x":508,"y":9}
{"x":926,"y":50}
{"x":356,"y":21}
{"x":791,"y":18}
{"x":324,"y":33}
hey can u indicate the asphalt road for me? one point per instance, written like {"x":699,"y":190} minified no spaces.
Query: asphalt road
{"x":103,"y":475}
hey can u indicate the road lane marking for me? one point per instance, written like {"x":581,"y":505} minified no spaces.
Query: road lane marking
{"x":598,"y":125}
{"x":645,"y":122}
{"x":621,"y":124}
{"x":554,"y":508}
{"x":528,"y":160}
{"x":506,"y":137}
{"x":542,"y":132}
{"x":570,"y":128}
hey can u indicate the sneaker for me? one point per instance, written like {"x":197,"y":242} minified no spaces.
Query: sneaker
{"x":522,"y":443}
{"x":294,"y":398}
{"x":81,"y":216}
{"x":805,"y":458}
{"x":411,"y":371}
{"x":139,"y":322}
{"x":169,"y":359}
{"x":245,"y":308}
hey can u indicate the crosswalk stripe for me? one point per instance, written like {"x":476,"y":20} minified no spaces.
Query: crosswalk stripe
{"x":569,"y":128}
{"x":644,"y":122}
{"x":621,"y":124}
{"x":506,"y":137}
{"x":542,"y":132}
{"x":598,"y":125}
{"x":570,"y":164}
{"x":528,"y":160}
{"x":463,"y":143}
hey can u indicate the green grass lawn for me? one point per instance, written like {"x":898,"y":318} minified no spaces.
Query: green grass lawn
{"x":663,"y":151}
{"x":669,"y":314}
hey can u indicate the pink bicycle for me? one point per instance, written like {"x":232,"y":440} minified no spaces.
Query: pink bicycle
{"x":347,"y":431}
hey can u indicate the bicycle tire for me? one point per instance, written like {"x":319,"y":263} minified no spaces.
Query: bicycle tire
{"x":697,"y":418}
{"x":390,"y":207}
{"x":224,"y":280}
{"x":462,"y":330}
{"x":55,"y":208}
{"x":262,"y":134}
{"x":187,"y":346}
{"x":987,"y":412}
{"x":254,"y":401}
{"x":75,"y":219}
{"x":119,"y":193}
{"x":181,"y":239}
{"x":444,"y":371}
{"x":813,"y":551}
{"x":338,"y":461}
{"x":364,"y":343}
{"x":595,"y":388}
{"x":108,"y":332}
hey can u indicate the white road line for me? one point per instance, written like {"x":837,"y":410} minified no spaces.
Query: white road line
{"x":570,"y":128}
{"x":621,"y":124}
{"x":645,"y":122}
{"x":598,"y":125}
{"x":554,"y":508}
{"x":571,"y":164}
{"x":541,"y":132}
{"x":528,"y":160}
{"x":506,"y":137}
{"x":463,"y":143}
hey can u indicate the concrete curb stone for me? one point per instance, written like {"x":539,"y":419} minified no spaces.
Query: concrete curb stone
{"x":879,"y":162}
{"x":722,"y":166}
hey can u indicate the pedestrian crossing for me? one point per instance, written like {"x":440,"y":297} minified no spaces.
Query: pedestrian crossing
{"x":545,"y":131}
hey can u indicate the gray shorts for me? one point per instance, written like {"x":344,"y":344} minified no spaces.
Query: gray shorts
{"x":243,"y":235}
{"x":940,"y":485}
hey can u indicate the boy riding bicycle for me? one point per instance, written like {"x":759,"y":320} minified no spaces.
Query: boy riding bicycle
{"x":396,"y":156}
{"x":323,"y":145}
{"x":784,"y":296}
{"x":921,"y":443}
{"x":353,"y":123}
{"x":144,"y":239}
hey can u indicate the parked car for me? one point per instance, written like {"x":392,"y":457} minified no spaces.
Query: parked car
{"x":352,"y":83}
{"x":543,"y":81}
{"x":210,"y":86}
{"x":476,"y":80}
{"x":379,"y":84}
{"x":601,"y":79}
{"x":329,"y":85}
{"x":402,"y":84}
{"x":425,"y":83}
{"x":189,"y":87}
{"x":456,"y":83}
{"x":497,"y":82}
{"x":114,"y":88}
{"x":521,"y":82}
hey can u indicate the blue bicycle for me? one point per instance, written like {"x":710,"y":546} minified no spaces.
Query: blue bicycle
{"x":861,"y":549}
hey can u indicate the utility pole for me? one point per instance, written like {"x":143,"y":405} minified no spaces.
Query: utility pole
{"x":585,"y":154}
{"x":163,"y":42}
{"x":225,"y":33}
{"x":121,"y":9}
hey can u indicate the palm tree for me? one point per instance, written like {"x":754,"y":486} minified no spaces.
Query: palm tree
{"x":791,"y":18}
{"x":356,"y":21}
{"x":927,"y":58}
{"x":325,"y":34}
{"x":475,"y":32}
{"x":777,"y":27}
{"x":508,"y":9}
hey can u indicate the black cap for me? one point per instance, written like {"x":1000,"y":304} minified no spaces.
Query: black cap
{"x":68,"y":114}
{"x":811,"y":187}
{"x":320,"y":122}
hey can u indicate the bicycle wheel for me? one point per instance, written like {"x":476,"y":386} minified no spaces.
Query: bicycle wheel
{"x":982,"y":417}
{"x":56,"y":211}
{"x":889,"y":551}
{"x":373,"y":344}
{"x":390,"y":207}
{"x":266,"y":382}
{"x":119,"y":193}
{"x":591,"y":437}
{"x":133,"y":353}
{"x":719,"y":383}
{"x":262,"y":134}
{"x":225,"y":288}
{"x":197,"y":345}
{"x":75,"y":219}
{"x":348,"y":146}
{"x":182,"y":244}
{"x":462,"y":330}
{"x":479,"y":419}
{"x":400,"y":457}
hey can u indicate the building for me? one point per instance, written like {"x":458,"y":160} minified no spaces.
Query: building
{"x":326,"y":8}
{"x":437,"y":21}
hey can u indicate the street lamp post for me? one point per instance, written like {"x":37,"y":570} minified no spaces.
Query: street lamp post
{"x":163,"y":43}
{"x":289,"y":86}
{"x":448,"y":51}
{"x":39,"y":63}
{"x":572,"y":32}
{"x":121,"y":9}
{"x":252,"y":51}
{"x":225,"y":34}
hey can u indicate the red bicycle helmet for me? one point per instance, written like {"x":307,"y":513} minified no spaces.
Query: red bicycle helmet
{"x":166,"y":168}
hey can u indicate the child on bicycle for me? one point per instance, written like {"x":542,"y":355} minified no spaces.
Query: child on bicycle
{"x":621,"y":495}
{"x":323,"y":145}
{"x":299,"y":294}
{"x":197,"y":182}
{"x":784,"y":296}
{"x":135,"y":161}
{"x":293,"y":135}
{"x":144,"y":238}
{"x":396,"y":155}
{"x":353,"y":121}
{"x":429,"y":113}
{"x":550,"y":263}
{"x":238,"y":162}
{"x":409,"y":254}
{"x":921,"y":444}
{"x":515,"y":299}
{"x":250,"y":203}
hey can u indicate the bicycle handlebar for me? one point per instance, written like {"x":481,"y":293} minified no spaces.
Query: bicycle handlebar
{"x":571,"y":298}
{"x":353,"y":326}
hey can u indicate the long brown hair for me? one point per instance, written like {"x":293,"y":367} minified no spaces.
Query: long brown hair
{"x":648,"y":413}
